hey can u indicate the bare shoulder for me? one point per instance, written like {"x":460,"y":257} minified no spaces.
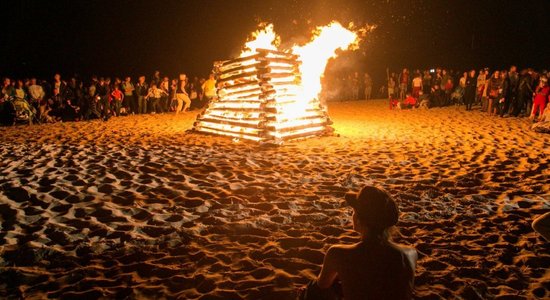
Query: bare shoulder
{"x":338,"y":251}
{"x":408,"y":252}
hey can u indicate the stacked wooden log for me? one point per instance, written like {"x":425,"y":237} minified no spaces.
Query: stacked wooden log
{"x":259,"y":99}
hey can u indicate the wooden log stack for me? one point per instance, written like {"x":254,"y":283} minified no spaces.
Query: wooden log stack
{"x":258,"y":99}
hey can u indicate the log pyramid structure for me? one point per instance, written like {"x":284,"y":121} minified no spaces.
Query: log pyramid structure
{"x":258,"y":99}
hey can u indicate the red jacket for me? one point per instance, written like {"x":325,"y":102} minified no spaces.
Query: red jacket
{"x":410,"y":100}
{"x":542,"y":93}
{"x":117,"y":95}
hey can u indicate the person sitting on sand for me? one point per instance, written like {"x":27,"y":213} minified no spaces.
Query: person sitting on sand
{"x":543,"y":125}
{"x":374,"y":268}
{"x":424,"y":101}
{"x":542,"y":226}
{"x":394,"y":103}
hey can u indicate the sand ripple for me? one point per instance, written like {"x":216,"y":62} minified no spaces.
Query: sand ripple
{"x":135,"y":207}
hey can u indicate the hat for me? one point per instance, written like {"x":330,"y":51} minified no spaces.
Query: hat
{"x":374,"y":207}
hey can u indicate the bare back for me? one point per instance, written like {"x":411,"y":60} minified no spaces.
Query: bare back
{"x":374,"y":270}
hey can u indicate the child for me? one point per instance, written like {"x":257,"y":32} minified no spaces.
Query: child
{"x":117,"y":97}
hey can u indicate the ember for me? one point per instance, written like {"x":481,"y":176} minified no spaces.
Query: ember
{"x":268,"y":95}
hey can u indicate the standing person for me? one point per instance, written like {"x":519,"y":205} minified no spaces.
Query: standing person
{"x":368,"y":86}
{"x":416,"y":85}
{"x":529,"y":87}
{"x":494,"y":89}
{"x":437,"y":79}
{"x":194,"y":96}
{"x":355,"y":86}
{"x":209,"y":88}
{"x":392,"y":85}
{"x":142,"y":89}
{"x":90,"y":97}
{"x":103,"y":94}
{"x":426,"y":82}
{"x":480,"y":85}
{"x":542,"y":96}
{"x":93,"y":110}
{"x":156,"y":77}
{"x":403,"y":83}
{"x":129,"y":102}
{"x":153,"y":98}
{"x":374,"y":268}
{"x":503,"y":95}
{"x":58,"y":90}
{"x":522,"y":92}
{"x":173,"y":101}
{"x":470,"y":89}
{"x":165,"y":87}
{"x":444,"y":78}
{"x":198,"y":88}
{"x":202,"y":98}
{"x":74,"y":100}
{"x":511,"y":93}
{"x":181,"y":94}
{"x":117,"y":98}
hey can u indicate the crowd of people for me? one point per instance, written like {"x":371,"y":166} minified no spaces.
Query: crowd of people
{"x":501,"y":93}
{"x":344,"y":86}
{"x":30,"y":100}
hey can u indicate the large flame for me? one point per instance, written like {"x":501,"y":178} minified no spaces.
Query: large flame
{"x":275,"y":94}
{"x":264,"y":38}
{"x":314,"y":55}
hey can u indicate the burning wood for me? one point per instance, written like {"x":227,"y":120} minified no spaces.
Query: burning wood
{"x":259,"y":100}
{"x":267,"y":95}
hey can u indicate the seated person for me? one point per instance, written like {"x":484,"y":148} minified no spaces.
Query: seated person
{"x":409,"y":102}
{"x":375,"y":268}
{"x":394,"y":103}
{"x":438,"y":97}
{"x":424,"y":101}
{"x":543,"y":126}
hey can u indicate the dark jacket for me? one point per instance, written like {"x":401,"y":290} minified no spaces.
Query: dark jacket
{"x":525,"y":85}
{"x":142,"y":89}
{"x":470,"y":89}
{"x":494,"y":89}
{"x":102,"y":90}
{"x":513,"y":85}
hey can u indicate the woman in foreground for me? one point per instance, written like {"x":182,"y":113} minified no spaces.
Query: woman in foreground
{"x":375,"y":268}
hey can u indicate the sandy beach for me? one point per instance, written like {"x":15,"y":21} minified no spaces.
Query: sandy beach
{"x":138,"y":208}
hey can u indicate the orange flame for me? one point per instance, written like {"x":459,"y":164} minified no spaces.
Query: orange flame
{"x":264,"y":38}
{"x":314,"y":55}
{"x":297,"y":107}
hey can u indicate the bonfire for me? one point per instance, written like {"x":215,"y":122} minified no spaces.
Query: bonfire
{"x":269,"y":94}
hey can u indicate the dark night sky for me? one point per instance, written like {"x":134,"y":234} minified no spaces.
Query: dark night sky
{"x":120,"y":37}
